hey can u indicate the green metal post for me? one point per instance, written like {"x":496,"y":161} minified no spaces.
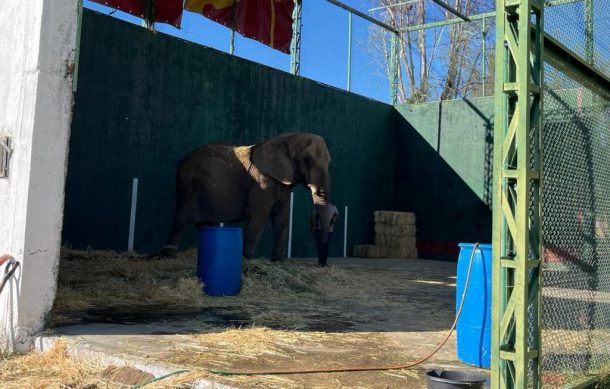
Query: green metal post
{"x":517,"y":230}
{"x":589,"y":52}
{"x":483,"y":56}
{"x":447,"y":22}
{"x":349,"y":51}
{"x":394,"y":43}
{"x":295,"y":44}
{"x":232,"y":36}
{"x":77,"y":53}
{"x":232,"y":42}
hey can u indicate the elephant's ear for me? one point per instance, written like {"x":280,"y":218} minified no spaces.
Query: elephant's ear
{"x":272,"y":158}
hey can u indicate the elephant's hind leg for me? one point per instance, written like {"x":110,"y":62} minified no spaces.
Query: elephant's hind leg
{"x":280,"y":218}
{"x":184,"y":216}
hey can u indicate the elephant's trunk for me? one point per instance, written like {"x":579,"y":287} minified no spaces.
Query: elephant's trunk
{"x":319,"y":186}
{"x":321,"y":201}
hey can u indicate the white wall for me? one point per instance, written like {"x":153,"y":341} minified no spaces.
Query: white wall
{"x":37,"y":44}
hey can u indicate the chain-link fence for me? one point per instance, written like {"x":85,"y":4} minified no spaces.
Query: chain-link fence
{"x":576,"y":202}
{"x":442,"y":55}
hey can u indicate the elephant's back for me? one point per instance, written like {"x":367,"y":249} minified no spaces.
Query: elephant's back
{"x":214,"y":175}
{"x":216,"y":160}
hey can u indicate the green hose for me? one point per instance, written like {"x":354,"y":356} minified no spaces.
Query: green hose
{"x":158,"y":379}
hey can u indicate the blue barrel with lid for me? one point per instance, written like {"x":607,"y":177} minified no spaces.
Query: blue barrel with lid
{"x":474,"y":325}
{"x":219,"y":260}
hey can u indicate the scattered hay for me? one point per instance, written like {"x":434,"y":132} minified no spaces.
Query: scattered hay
{"x":275,"y":321}
{"x":102,"y":279}
{"x":263,"y":348}
{"x":103,"y":285}
{"x":126,"y":375}
{"x":279,"y":295}
{"x":51,"y":369}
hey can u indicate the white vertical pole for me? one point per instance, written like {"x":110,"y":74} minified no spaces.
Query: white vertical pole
{"x":132,"y":217}
{"x":290,"y":226}
{"x":345,"y":234}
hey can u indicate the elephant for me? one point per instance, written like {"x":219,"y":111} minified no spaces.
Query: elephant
{"x":220,"y":183}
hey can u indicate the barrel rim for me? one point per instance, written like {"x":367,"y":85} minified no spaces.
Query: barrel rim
{"x":471,"y":245}
{"x":221,"y":228}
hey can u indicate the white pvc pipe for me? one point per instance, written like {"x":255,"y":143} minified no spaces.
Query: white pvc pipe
{"x":345,"y":234}
{"x":290,"y":226}
{"x":132,"y":216}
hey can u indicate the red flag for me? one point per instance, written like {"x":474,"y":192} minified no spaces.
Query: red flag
{"x":165,"y":11}
{"x":168,"y":11}
{"x":267,"y":21}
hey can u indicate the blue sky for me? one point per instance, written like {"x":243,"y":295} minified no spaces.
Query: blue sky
{"x":323,"y":49}
{"x":324,"y":41}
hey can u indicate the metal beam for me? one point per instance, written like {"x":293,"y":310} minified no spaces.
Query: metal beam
{"x":452,"y":10}
{"x":447,"y":22}
{"x":568,"y":62}
{"x":552,"y":3}
{"x":394,"y":64}
{"x":295,"y":43}
{"x":483,"y":56}
{"x":363,"y":15}
{"x":589,"y":37}
{"x":517,"y":232}
{"x":394,"y":5}
{"x":555,"y":53}
{"x":349,"y":51}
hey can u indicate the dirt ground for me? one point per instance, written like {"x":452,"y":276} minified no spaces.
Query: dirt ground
{"x":294,"y":315}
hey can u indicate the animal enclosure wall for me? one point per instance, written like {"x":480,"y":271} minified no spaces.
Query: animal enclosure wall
{"x":443,"y":172}
{"x":146,"y":99}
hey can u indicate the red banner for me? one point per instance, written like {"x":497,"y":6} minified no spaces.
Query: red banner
{"x":166,"y":11}
{"x":267,"y":21}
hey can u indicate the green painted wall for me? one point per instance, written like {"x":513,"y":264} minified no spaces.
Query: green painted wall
{"x":144,"y":100}
{"x":443,"y":172}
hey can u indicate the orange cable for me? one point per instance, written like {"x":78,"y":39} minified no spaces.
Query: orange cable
{"x":365,"y":368}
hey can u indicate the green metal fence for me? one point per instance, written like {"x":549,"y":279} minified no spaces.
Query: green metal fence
{"x":552,"y":194}
{"x":576,"y":233}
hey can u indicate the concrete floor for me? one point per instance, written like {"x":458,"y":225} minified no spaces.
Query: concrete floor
{"x":409,"y":309}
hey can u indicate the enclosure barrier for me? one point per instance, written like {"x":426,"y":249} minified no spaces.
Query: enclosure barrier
{"x":551,"y":315}
{"x":396,"y":35}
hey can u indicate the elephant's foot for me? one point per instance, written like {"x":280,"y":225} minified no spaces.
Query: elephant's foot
{"x":168,"y":251}
{"x":278,"y":257}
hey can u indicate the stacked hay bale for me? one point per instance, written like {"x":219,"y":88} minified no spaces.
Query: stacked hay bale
{"x":394,"y":237}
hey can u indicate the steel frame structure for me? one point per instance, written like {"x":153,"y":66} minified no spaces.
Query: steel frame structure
{"x":517,"y":232}
{"x":295,"y":43}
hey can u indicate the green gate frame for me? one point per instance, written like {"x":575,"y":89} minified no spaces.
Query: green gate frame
{"x":517,"y":243}
{"x":522,"y":47}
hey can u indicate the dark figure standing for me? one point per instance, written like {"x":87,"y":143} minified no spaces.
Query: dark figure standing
{"x":322,"y":237}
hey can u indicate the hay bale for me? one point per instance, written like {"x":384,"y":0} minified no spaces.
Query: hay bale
{"x":395,"y":230}
{"x":394,"y":218}
{"x":404,"y":253}
{"x":395,"y":242}
{"x":369,"y":251}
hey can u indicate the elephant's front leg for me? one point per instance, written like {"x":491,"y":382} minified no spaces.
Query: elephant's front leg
{"x":258,"y":214}
{"x":280,"y":218}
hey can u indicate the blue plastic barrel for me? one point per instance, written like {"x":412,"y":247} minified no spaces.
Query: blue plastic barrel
{"x":219,"y":260}
{"x":474,"y":324}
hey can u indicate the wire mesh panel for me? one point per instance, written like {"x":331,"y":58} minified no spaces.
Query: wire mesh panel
{"x":583,"y":26}
{"x":576,"y":231}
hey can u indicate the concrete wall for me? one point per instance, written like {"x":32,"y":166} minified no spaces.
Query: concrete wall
{"x":444,"y":172}
{"x":37,"y":42}
{"x":144,"y":100}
